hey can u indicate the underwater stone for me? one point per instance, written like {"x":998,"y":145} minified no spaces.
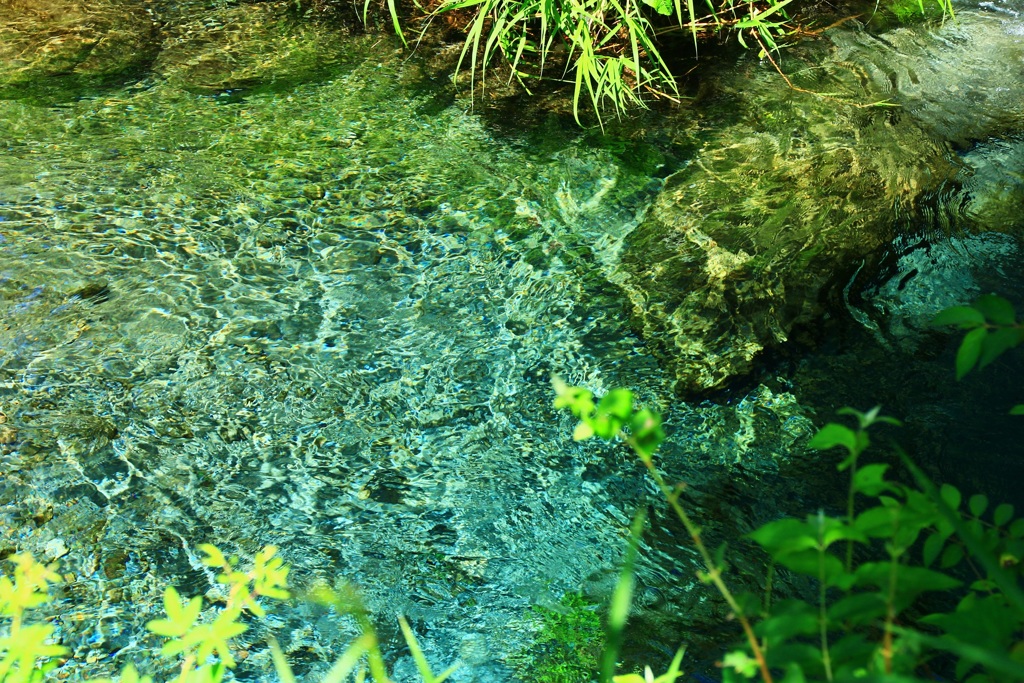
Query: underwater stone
{"x":55,"y":548}
{"x":789,"y":190}
{"x":65,"y":45}
{"x":960,"y":80}
{"x":246,"y":47}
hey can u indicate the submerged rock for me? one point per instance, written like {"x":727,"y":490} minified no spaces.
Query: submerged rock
{"x":959,"y":80}
{"x":68,"y":44}
{"x":790,"y":192}
{"x":245,"y":47}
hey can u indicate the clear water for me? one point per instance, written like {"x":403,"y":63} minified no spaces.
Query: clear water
{"x":326,"y":318}
{"x":322,"y":320}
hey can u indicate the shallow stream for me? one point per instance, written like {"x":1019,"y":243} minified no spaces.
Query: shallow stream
{"x":326,"y":318}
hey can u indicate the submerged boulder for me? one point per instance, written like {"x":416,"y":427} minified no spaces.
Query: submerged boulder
{"x":62,"y":45}
{"x":787,"y":193}
{"x":247,"y":46}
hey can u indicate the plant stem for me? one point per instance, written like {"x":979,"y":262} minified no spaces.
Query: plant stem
{"x":849,"y":512}
{"x":890,"y":615}
{"x":714,"y":573}
{"x":826,"y":659}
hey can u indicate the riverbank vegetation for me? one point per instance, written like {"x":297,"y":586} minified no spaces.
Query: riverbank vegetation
{"x":617,"y":54}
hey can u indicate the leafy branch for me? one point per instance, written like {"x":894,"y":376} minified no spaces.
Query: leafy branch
{"x":613,"y":417}
{"x":860,"y":623}
{"x":993,"y":329}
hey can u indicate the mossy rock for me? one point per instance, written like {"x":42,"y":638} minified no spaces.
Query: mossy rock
{"x":785,"y":196}
{"x":53,"y":49}
{"x":248,"y":47}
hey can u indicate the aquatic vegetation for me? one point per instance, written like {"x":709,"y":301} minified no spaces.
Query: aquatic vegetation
{"x":568,"y":644}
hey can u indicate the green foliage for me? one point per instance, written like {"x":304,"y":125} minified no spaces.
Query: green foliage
{"x":26,"y":650}
{"x":993,"y":329}
{"x":568,"y":644}
{"x":612,"y":47}
{"x":674,"y":672}
{"x":201,"y":640}
{"x":612,"y":416}
{"x":613,"y":51}
{"x":907,"y":11}
{"x":868,"y":617}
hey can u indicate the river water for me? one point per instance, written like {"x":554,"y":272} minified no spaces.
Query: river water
{"x":326,"y":318}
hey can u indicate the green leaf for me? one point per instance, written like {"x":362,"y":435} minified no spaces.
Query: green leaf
{"x":179,"y":618}
{"x":1003,"y":514}
{"x":1017,"y":528}
{"x":969,"y":351}
{"x":998,"y":341}
{"x":794,"y":674}
{"x":622,"y":598}
{"x":858,"y":608}
{"x":349,"y":659}
{"x":997,"y":309}
{"x":131,"y":675}
{"x":950,"y":496}
{"x":214,"y":557}
{"x":270,"y":577}
{"x":674,"y":671}
{"x":605,"y":426}
{"x":815,"y":563}
{"x":578,"y":401}
{"x":788,"y":619}
{"x":870,"y":480}
{"x":932,"y":547}
{"x":662,"y":7}
{"x":23,"y":648}
{"x":784,"y":535}
{"x":963,"y":317}
{"x":417,"y":654}
{"x":990,"y":657}
{"x":284,"y":670}
{"x":617,"y":402}
{"x":877,"y":522}
{"x":582,"y":432}
{"x":832,"y":435}
{"x":912,"y":580}
{"x":646,"y":433}
{"x":740,"y":662}
{"x":951,"y":556}
{"x":978,"y":504}
{"x":1017,"y":409}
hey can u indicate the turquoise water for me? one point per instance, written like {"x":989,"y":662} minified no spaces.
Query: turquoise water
{"x":323,"y":320}
{"x":326,"y":317}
